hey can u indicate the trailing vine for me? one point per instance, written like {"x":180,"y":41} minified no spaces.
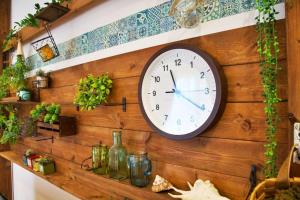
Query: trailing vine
{"x":268,"y":49}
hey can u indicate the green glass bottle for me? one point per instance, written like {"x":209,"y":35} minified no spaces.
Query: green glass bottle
{"x":117,"y":164}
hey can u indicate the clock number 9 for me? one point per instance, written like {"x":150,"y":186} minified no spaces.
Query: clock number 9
{"x":154,"y":93}
{"x":178,"y":62}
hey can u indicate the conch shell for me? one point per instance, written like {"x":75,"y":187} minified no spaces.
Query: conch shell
{"x":202,"y":190}
{"x":160,"y":184}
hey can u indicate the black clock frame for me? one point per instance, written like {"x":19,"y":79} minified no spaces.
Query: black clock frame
{"x":221,"y":92}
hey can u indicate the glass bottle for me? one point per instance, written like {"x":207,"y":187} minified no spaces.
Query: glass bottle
{"x":117,"y":164}
{"x":100,"y":159}
{"x":139,"y":169}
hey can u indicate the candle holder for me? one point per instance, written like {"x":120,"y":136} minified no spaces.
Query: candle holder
{"x":46,"y":47}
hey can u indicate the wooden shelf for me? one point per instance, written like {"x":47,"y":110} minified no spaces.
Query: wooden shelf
{"x":15,"y":100}
{"x":90,"y":182}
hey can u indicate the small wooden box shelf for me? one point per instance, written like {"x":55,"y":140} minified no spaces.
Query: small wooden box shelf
{"x":65,"y":127}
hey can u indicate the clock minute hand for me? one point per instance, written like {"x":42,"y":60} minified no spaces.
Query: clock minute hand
{"x":173,"y":79}
{"x":188,"y":100}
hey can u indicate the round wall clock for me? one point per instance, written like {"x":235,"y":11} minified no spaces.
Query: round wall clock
{"x":181,"y":92}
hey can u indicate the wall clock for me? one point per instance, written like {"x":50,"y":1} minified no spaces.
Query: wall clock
{"x":181,"y":92}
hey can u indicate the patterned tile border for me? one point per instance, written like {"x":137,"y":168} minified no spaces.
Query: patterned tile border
{"x":149,"y":22}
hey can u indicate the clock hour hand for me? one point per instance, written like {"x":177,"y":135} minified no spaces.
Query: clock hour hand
{"x":173,"y":79}
{"x":173,"y":91}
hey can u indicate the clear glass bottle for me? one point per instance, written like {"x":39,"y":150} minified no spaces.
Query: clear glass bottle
{"x":117,"y":164}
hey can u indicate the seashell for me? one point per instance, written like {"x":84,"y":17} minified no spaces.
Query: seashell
{"x":202,"y":190}
{"x":160,"y":184}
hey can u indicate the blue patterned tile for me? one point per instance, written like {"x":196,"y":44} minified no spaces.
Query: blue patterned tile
{"x":229,"y":7}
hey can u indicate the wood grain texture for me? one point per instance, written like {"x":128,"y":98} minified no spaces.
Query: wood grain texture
{"x":293,"y":61}
{"x":223,"y":154}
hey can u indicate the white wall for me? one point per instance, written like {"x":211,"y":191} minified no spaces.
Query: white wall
{"x":112,"y":10}
{"x":27,"y":186}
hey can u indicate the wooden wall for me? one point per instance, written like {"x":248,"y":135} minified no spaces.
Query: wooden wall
{"x":223,"y":154}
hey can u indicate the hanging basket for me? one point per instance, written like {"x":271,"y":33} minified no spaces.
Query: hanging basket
{"x":267,"y":188}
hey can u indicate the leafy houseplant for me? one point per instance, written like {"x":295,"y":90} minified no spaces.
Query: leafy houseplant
{"x":268,"y":49}
{"x":47,"y":165}
{"x":47,"y":113}
{"x":93,"y":91}
{"x":10,"y":126}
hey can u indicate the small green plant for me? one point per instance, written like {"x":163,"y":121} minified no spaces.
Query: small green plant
{"x":10,"y":125}
{"x":268,"y":49}
{"x":18,"y":72}
{"x":47,"y":113}
{"x":41,"y":73}
{"x":52,"y":114}
{"x":45,"y":160}
{"x":93,"y":91}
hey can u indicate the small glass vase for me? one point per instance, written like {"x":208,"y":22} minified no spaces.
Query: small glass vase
{"x":100,"y":159}
{"x":139,"y":169}
{"x":117,"y":165}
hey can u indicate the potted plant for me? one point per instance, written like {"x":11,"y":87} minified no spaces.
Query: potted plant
{"x":46,"y":113}
{"x":42,"y":79}
{"x":47,"y":165}
{"x":93,"y":91}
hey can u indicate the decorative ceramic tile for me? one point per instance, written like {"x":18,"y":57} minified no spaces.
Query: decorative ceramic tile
{"x":149,"y":22}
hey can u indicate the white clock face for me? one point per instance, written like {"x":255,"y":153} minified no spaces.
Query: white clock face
{"x":178,"y":92}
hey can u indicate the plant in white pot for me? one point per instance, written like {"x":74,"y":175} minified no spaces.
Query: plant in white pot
{"x":42,"y":79}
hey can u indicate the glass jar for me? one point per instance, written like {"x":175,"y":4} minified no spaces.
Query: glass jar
{"x":186,"y":14}
{"x":100,"y":159}
{"x":139,"y":169}
{"x":117,"y":165}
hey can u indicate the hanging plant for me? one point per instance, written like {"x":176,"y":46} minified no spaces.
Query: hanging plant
{"x":268,"y":49}
{"x":93,"y":91}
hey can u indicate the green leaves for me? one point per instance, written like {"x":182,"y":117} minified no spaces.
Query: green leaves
{"x":268,"y":50}
{"x":47,"y":113}
{"x":93,"y":91}
{"x":28,"y":21}
{"x":10,"y":125}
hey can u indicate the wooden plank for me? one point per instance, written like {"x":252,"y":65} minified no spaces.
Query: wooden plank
{"x":76,"y":7}
{"x":4,"y":25}
{"x":245,"y":121}
{"x":293,"y":61}
{"x":214,"y":155}
{"x":241,"y":87}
